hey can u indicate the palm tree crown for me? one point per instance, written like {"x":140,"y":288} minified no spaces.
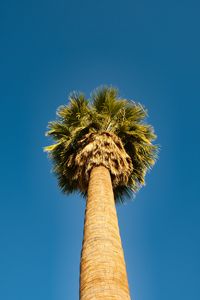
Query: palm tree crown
{"x":103,"y":130}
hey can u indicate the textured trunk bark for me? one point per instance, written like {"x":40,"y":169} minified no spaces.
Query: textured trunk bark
{"x":103,"y":271}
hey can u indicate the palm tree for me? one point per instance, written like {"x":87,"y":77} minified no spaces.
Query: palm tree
{"x":103,"y":149}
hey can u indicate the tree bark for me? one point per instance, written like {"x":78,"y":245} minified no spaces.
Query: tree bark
{"x":102,"y":271}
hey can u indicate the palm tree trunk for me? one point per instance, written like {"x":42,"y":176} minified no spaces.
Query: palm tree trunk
{"x":103,"y":271}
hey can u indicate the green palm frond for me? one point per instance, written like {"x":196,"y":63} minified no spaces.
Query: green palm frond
{"x":103,"y":130}
{"x":104,"y":101}
{"x":76,"y":113}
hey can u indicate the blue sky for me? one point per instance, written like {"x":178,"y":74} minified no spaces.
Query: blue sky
{"x":150,"y":51}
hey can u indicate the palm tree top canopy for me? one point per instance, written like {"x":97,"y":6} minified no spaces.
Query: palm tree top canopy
{"x":103,"y":130}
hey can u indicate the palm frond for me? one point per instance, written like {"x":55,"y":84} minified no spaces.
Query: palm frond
{"x":103,"y":130}
{"x":76,"y":112}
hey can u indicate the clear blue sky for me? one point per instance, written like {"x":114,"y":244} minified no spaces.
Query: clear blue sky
{"x":150,"y":51}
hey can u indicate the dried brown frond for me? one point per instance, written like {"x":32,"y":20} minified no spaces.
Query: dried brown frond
{"x":102,"y":148}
